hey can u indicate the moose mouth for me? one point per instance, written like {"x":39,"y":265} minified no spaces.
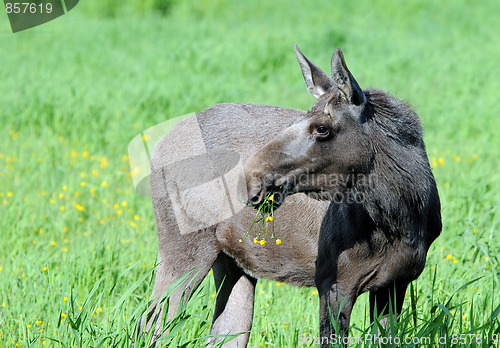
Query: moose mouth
{"x":271,"y":195}
{"x":276,"y":195}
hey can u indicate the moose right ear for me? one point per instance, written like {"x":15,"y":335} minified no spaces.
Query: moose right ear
{"x":344,"y":80}
{"x":317,"y":81}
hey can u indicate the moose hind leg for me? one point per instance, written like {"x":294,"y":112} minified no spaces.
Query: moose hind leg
{"x":235,"y":302}
{"x":190,"y":256}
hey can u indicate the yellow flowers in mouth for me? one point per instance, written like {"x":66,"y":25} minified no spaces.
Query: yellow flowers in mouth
{"x":264,"y":216}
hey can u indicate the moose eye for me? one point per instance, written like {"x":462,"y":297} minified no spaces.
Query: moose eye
{"x":321,"y":131}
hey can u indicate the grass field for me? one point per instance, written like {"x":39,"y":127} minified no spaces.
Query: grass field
{"x":78,"y":245}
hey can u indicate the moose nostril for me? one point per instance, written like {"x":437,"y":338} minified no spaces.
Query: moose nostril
{"x":254,"y":199}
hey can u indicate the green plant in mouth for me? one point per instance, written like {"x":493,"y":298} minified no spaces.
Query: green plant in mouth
{"x":264,"y":221}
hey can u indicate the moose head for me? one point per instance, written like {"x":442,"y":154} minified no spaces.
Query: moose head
{"x":325,"y":148}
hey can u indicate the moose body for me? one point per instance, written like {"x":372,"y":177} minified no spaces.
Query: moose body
{"x":358,"y":204}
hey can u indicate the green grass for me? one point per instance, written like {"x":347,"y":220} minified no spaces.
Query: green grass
{"x":77,"y":242}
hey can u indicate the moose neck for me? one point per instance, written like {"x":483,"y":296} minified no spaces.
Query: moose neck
{"x":401,"y":181}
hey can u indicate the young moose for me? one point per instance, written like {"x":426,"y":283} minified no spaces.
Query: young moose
{"x":358,"y":204}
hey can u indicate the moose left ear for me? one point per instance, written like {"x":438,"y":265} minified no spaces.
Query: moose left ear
{"x":317,"y":81}
{"x":344,"y":80}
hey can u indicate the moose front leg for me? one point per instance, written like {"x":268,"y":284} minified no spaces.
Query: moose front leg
{"x":335,"y":312}
{"x":386,"y":301}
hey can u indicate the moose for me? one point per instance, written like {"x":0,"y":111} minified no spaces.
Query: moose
{"x":357,"y":206}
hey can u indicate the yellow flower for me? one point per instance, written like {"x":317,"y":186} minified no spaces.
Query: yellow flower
{"x":455,"y":261}
{"x":262,"y":242}
{"x":449,"y":257}
{"x":104,"y":184}
{"x":124,"y":204}
{"x":104,"y":162}
{"x":434,"y":162}
{"x":65,"y":188}
{"x":456,"y":158}
{"x":65,"y":250}
{"x":125,"y":158}
{"x":441,"y":161}
{"x":255,"y":240}
{"x":82,"y":184}
{"x":63,"y":208}
{"x":240,"y":241}
{"x":269,"y":218}
{"x":9,"y":194}
{"x":85,"y":154}
{"x":278,"y":241}
{"x":79,"y":207}
{"x":54,"y":243}
{"x":63,"y":315}
{"x":92,"y":190}
{"x":314,"y":292}
{"x":271,"y":197}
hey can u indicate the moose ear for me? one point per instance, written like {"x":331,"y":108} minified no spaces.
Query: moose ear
{"x":344,"y":80}
{"x":317,"y":81}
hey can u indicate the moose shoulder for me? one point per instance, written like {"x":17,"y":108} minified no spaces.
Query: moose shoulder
{"x":358,"y":204}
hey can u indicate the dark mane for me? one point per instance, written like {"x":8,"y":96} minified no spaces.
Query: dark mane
{"x":404,"y":186}
{"x":394,"y":117}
